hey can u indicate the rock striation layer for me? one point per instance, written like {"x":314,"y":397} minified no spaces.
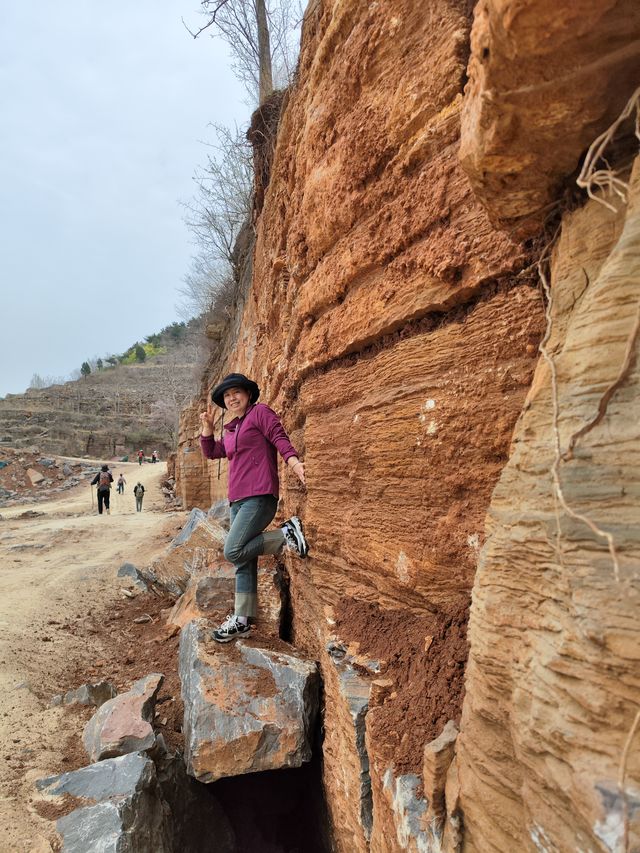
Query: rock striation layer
{"x":552,"y":686}
{"x":393,"y":319}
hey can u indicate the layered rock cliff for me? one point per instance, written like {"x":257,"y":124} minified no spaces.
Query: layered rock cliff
{"x":393,"y":318}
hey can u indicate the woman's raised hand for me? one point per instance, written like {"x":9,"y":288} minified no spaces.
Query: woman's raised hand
{"x":207,"y":420}
{"x":298,"y":470}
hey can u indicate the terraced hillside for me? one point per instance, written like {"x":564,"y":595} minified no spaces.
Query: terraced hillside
{"x":111,"y":412}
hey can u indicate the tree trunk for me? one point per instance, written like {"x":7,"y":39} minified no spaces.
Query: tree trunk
{"x":264,"y":52}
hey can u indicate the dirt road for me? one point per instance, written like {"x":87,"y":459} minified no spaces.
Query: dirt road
{"x":57,"y":578}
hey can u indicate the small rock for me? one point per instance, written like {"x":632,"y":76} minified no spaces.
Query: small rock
{"x":87,"y":694}
{"x":123,"y":724}
{"x":35,"y":476}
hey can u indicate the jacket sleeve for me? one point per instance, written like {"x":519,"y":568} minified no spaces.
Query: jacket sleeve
{"x":95,"y":479}
{"x":271,"y":427}
{"x":110,"y":477}
{"x":212,"y":448}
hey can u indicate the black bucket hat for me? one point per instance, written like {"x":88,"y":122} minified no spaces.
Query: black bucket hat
{"x":235,"y":380}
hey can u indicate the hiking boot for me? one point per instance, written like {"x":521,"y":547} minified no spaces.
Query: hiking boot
{"x":108,"y":512}
{"x":294,"y":536}
{"x":231,"y":629}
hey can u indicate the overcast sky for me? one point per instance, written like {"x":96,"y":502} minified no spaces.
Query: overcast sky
{"x":104,"y":110}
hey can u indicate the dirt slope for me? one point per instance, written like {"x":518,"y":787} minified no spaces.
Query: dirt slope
{"x":57,"y":579}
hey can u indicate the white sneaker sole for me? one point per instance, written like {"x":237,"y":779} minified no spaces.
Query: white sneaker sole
{"x":303,"y":545}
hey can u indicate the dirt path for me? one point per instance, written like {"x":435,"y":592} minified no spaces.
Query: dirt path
{"x":57,"y":578}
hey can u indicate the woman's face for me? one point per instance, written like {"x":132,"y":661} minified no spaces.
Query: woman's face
{"x":236,"y":400}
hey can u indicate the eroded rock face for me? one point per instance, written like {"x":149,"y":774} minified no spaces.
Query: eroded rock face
{"x":395,"y":329}
{"x":551,"y":684}
{"x":542,"y":78}
{"x":246,"y":709}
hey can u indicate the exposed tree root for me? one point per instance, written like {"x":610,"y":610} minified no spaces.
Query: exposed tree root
{"x":592,"y":176}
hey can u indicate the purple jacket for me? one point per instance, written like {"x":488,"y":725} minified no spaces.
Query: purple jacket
{"x":250,"y":445}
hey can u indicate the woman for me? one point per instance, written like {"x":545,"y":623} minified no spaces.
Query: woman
{"x":250,"y":442}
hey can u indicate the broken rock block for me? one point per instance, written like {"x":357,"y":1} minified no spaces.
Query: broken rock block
{"x":438,"y":755}
{"x":246,"y":709}
{"x":123,"y":808}
{"x":87,"y":694}
{"x":198,"y":544}
{"x":35,"y":476}
{"x":212,"y":596}
{"x":123,"y":724}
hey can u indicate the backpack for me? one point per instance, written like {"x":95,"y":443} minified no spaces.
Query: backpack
{"x":139,"y":491}
{"x":104,"y":483}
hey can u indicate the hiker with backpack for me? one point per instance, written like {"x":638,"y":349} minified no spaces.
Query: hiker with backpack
{"x":121,"y":483}
{"x":138,"y":491}
{"x":140,"y":457}
{"x":250,"y":442}
{"x":103,"y":480}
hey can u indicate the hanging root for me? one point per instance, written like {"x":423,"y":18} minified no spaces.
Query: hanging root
{"x":622,"y":773}
{"x":592,"y":175}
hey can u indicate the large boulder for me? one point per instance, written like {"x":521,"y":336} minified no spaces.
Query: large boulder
{"x":123,"y":724}
{"x":125,"y":813}
{"x":246,"y":709}
{"x":198,"y":544}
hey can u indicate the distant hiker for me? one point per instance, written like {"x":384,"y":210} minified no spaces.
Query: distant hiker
{"x":140,"y":457}
{"x":138,"y":491}
{"x":154,"y":456}
{"x":250,"y":442}
{"x":103,"y":480}
{"x":121,"y":484}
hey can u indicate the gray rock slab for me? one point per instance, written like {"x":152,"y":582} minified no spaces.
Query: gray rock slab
{"x":124,"y":724}
{"x":246,"y":709}
{"x":87,"y":694}
{"x":127,"y":814}
{"x":128,"y":570}
{"x":113,"y":777}
{"x":220,"y":512}
{"x":409,"y":813}
{"x":195,"y":517}
{"x":356,"y":690}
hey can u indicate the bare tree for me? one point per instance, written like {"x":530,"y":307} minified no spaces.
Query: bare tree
{"x":215,"y":217}
{"x":261,"y":35}
{"x":38,"y":381}
{"x":164,"y":417}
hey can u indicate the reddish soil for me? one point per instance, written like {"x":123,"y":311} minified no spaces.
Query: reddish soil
{"x":428,"y":676}
{"x":136,"y":649}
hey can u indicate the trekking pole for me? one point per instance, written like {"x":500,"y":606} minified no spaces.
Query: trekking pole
{"x":91,"y":497}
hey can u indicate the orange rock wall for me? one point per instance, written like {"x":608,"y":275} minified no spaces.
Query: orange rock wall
{"x":395,"y":329}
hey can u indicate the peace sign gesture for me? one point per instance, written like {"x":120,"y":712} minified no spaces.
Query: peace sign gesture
{"x":207,"y":420}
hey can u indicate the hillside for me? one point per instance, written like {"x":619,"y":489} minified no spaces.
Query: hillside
{"x":110,"y":412}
